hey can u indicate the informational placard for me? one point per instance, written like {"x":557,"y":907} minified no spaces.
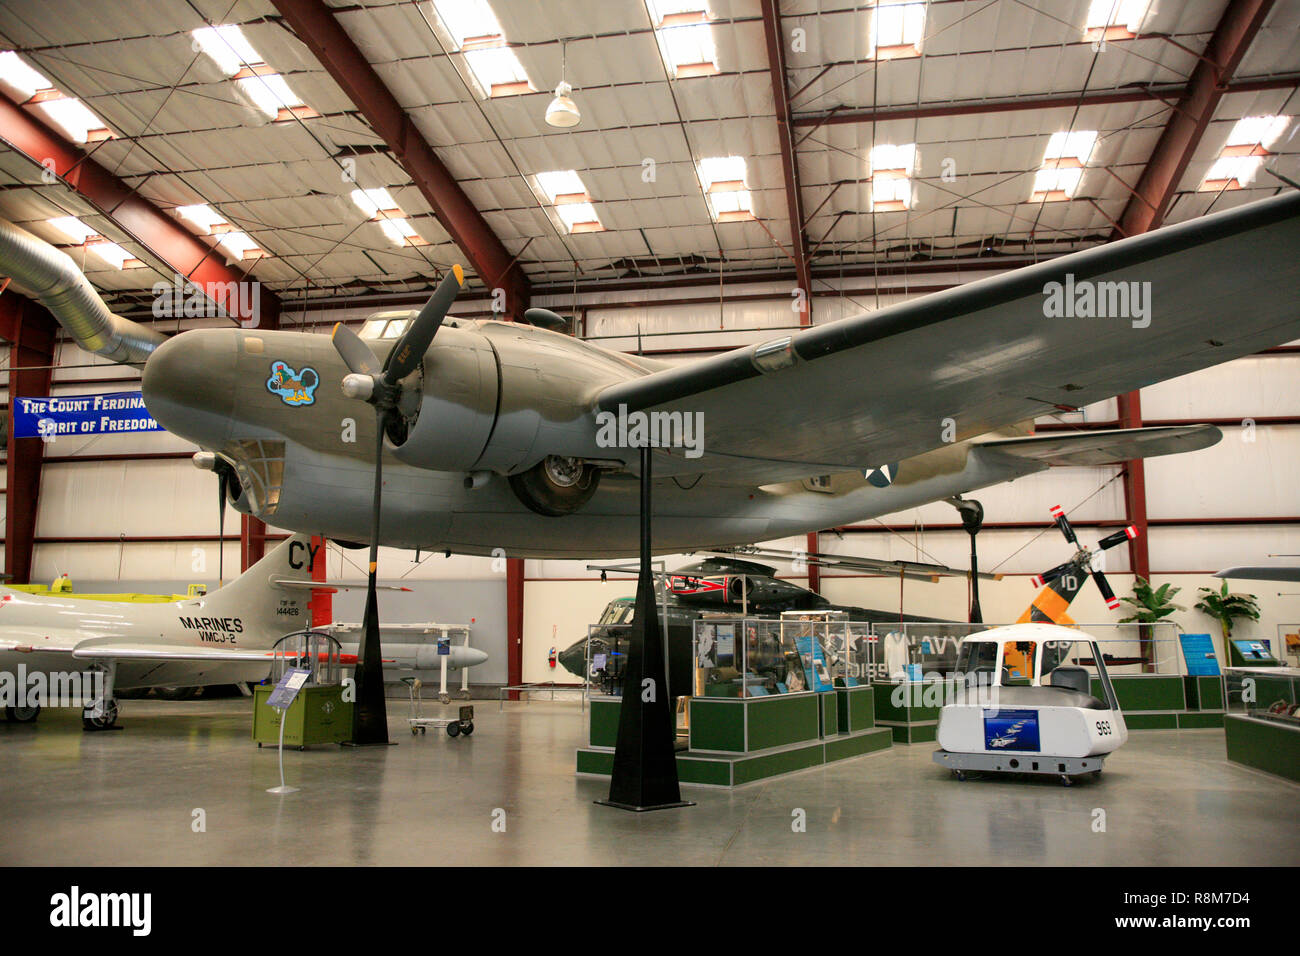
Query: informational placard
{"x":56,"y":416}
{"x":444,"y":646}
{"x":1198,"y":652}
{"x":1011,"y":730}
{"x":285,"y":691}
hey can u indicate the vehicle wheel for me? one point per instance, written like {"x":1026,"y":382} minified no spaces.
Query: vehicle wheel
{"x":467,"y":728}
{"x":959,"y":774}
{"x":177,"y":693}
{"x":1096,"y":774}
{"x":1067,"y":780}
{"x":415,"y":731}
{"x":423,"y":731}
{"x":444,"y":698}
{"x":103,"y":722}
{"x":453,"y":730}
{"x":464,"y":695}
{"x":22,"y":715}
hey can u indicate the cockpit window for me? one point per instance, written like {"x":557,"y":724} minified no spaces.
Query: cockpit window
{"x":618,"y":614}
{"x":977,"y":656}
{"x":384,"y":327}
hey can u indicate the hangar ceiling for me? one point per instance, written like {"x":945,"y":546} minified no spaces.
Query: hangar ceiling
{"x":959,"y":116}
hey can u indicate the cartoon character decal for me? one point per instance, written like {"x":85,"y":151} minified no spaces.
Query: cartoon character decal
{"x":294,"y":388}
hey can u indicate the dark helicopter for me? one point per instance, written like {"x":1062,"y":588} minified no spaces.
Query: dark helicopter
{"x":715,"y":585}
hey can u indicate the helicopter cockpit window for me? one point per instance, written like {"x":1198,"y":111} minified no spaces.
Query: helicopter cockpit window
{"x":618,"y":614}
{"x":978,"y":656}
{"x":1055,"y":653}
{"x":1018,"y":660}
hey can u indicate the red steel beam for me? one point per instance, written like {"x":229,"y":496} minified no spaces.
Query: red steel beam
{"x":31,"y":332}
{"x":146,"y":224}
{"x":514,"y":623}
{"x":315,"y":25}
{"x":1055,"y":101}
{"x":1209,"y":81}
{"x":252,"y":541}
{"x":1154,"y":192}
{"x":789,"y":160}
{"x":814,"y":570}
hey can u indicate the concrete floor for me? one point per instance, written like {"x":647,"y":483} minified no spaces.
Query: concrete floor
{"x":129,"y":798}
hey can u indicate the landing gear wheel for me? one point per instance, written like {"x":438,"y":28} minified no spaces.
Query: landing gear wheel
{"x":453,"y":730}
{"x":444,"y":698}
{"x":467,"y":728}
{"x":22,"y":715}
{"x":178,"y":693}
{"x":104,"y":721}
{"x":1067,"y":780}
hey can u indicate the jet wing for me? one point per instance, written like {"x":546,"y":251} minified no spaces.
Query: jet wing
{"x":863,"y":392}
{"x":113,"y":648}
{"x":82,"y":646}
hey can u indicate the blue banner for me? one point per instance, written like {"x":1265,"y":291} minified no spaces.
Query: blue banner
{"x":71,"y":415}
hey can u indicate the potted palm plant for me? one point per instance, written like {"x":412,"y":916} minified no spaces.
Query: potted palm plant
{"x":1226,"y":607}
{"x":1151,"y":605}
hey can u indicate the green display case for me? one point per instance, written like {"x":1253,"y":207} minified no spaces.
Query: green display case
{"x":318,"y":715}
{"x":738,"y":740}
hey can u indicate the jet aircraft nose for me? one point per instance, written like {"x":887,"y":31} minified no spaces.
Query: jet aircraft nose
{"x":189,"y":385}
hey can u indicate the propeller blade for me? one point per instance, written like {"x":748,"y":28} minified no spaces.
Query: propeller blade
{"x":410,"y":348}
{"x":1119,"y":537}
{"x":1049,"y":576}
{"x":356,"y":354}
{"x":1063,"y":523}
{"x":1112,"y":602}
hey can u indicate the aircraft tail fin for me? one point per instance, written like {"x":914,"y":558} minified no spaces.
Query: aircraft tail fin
{"x":258,"y":607}
{"x":1051,"y":604}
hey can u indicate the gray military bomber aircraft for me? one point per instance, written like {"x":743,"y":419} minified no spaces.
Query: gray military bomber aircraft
{"x":497,"y":434}
{"x":493,"y":435}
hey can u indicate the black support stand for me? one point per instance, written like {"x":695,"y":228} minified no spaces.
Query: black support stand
{"x":645,"y":765}
{"x":972,"y":519}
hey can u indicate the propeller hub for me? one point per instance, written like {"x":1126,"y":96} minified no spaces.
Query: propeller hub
{"x":359,"y":386}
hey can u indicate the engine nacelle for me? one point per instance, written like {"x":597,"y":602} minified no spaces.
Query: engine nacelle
{"x":449,"y":405}
{"x":506,"y":400}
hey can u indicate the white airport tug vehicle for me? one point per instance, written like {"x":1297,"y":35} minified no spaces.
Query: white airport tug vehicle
{"x":1025,"y":705}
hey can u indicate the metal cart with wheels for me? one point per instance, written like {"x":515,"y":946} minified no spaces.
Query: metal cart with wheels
{"x":462,"y":724}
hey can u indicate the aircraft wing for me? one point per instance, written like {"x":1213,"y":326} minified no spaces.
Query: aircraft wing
{"x":115,"y":649}
{"x":863,"y":392}
{"x":83,"y":646}
{"x":1106,"y":447}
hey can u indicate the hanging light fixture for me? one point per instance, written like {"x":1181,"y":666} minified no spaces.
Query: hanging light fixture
{"x":563,"y":112}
